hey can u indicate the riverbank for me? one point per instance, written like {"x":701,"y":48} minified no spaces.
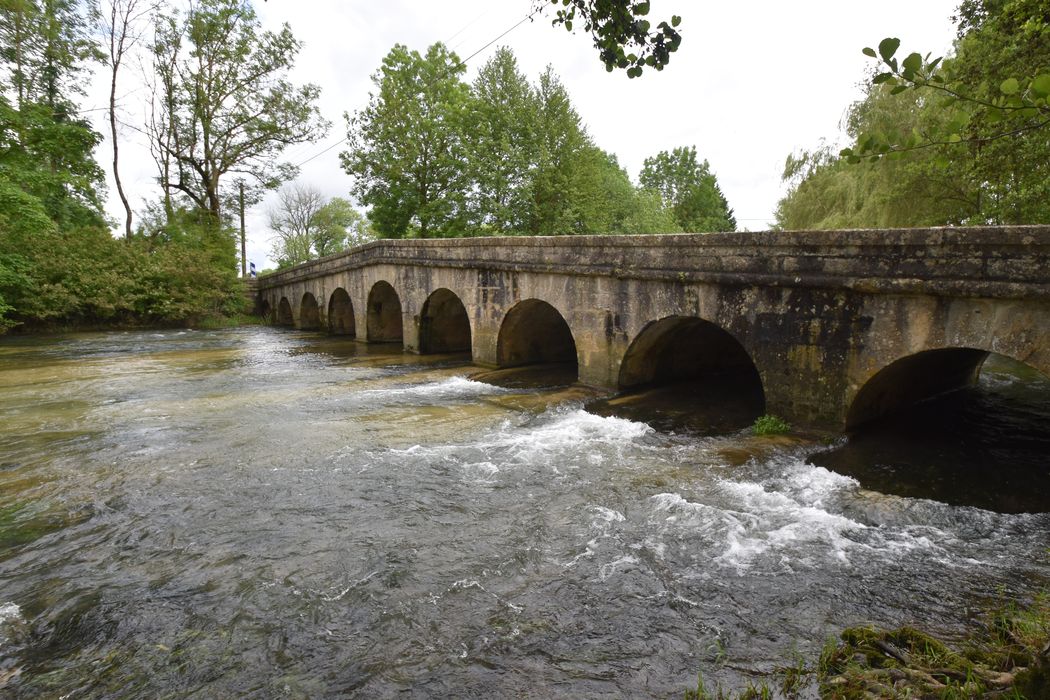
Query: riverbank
{"x":1006,"y":656}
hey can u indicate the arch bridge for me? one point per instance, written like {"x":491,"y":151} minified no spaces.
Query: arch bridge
{"x":831,"y":328}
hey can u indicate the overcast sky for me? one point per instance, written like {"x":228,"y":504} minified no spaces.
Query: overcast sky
{"x":752,"y":81}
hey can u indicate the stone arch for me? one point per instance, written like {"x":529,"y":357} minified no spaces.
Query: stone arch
{"x":914,"y":378}
{"x":384,"y":314}
{"x":341,"y":314}
{"x":284,"y":313}
{"x":683,"y":347}
{"x":266,"y":311}
{"x":309,"y":313}
{"x":444,"y":325}
{"x":534,"y":332}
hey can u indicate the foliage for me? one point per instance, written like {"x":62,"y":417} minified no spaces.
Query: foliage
{"x":770,"y":425}
{"x":689,"y":189}
{"x":406,"y":147}
{"x":502,"y":143}
{"x":224,"y":101}
{"x":307,"y":227}
{"x":921,"y":156}
{"x":622,"y":35}
{"x":432,"y":156}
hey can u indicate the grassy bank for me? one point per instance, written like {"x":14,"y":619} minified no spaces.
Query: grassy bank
{"x":1007,"y":656}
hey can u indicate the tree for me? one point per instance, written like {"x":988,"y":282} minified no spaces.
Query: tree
{"x":939,"y":142}
{"x":224,"y":103}
{"x":689,"y":189}
{"x":562,"y":141}
{"x":308,"y":227}
{"x":999,"y":76}
{"x":502,"y":143}
{"x":406,"y":151}
{"x":621,"y":33}
{"x":340,"y":227}
{"x":44,"y":147}
{"x":120,"y":30}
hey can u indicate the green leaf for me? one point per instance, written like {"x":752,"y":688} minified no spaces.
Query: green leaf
{"x":676,"y":20}
{"x":634,"y":72}
{"x":898,"y":89}
{"x":1041,"y":85}
{"x":1010,"y":86}
{"x":868,"y":51}
{"x":888,"y":47}
{"x":881,"y":78}
{"x":954,"y":138}
{"x":913,"y":62}
{"x":641,"y":8}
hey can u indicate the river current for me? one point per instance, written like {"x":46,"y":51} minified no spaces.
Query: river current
{"x":267,"y":513}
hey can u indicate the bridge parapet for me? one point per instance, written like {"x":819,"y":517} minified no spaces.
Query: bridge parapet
{"x":980,"y":261}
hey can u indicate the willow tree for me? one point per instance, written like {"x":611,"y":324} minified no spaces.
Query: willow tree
{"x":223,"y":103}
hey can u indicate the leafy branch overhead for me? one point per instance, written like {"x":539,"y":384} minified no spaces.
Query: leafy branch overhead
{"x":980,"y":113}
{"x":625,"y":39}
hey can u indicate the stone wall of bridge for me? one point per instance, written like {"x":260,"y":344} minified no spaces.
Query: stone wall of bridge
{"x":841,"y":326}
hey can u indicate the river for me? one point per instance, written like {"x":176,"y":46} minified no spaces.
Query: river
{"x":266,"y":513}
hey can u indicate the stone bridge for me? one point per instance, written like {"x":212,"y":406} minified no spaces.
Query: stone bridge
{"x":834,"y":328}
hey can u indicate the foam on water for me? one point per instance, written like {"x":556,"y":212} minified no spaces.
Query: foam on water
{"x":800,"y":517}
{"x":451,"y":388}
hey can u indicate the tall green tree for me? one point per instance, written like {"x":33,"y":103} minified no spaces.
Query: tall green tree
{"x":689,"y":189}
{"x":224,"y":103}
{"x":406,"y":147}
{"x":502,"y":144}
{"x":561,"y":172}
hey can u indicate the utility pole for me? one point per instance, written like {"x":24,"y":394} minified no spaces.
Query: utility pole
{"x":244,"y":256}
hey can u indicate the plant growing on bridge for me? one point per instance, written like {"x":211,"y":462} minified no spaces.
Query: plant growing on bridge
{"x":770,"y":425}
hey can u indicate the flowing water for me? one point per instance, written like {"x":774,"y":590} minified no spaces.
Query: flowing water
{"x":259,"y":513}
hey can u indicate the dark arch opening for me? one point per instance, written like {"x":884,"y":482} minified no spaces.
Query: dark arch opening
{"x":443,"y":324}
{"x":265,"y":311}
{"x":341,"y":314}
{"x":309,"y":313}
{"x":958,"y":425}
{"x":384,"y":314}
{"x":532,"y":333}
{"x":284,"y":313}
{"x":913,"y":379}
{"x":685,"y":373}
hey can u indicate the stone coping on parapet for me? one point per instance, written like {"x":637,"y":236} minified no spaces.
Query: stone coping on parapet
{"x":1001,"y":262}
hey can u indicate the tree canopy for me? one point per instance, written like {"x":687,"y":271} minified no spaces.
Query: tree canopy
{"x":958,"y":140}
{"x":434,"y":156}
